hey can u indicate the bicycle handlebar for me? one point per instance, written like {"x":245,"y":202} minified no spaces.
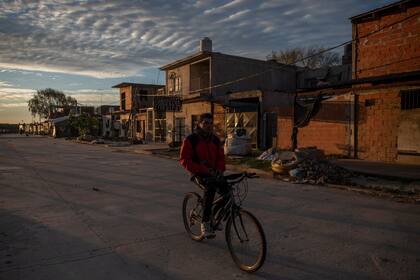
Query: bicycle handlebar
{"x":233,"y":178}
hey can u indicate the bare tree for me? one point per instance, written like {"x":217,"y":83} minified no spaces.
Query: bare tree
{"x":310,"y":57}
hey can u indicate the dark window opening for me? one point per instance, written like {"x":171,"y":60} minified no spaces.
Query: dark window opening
{"x":194,"y":122}
{"x":410,"y":99}
{"x":123,"y":101}
{"x":150,"y":120}
{"x":369,"y":102}
{"x":179,"y":133}
{"x":138,"y":125}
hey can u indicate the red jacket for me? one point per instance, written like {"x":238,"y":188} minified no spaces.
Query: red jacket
{"x":208,"y":153}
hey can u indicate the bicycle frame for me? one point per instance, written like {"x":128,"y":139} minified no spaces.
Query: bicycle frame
{"x":227,"y":207}
{"x":230,"y":208}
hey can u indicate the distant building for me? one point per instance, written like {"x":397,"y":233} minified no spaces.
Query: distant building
{"x":106,"y":109}
{"x":137,"y":117}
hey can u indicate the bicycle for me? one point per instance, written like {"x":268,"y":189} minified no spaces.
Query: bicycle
{"x":242,"y":229}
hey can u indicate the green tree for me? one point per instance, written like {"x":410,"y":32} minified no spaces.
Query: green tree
{"x":310,"y":57}
{"x":50,"y":103}
{"x":84,"y":123}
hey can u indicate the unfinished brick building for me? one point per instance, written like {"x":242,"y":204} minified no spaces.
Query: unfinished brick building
{"x":376,"y":115}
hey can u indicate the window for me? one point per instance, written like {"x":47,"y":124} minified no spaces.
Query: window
{"x":174,"y":83}
{"x":410,"y":99}
{"x":179,"y":132}
{"x":138,"y":126}
{"x":194,"y":122}
{"x":178,"y":84}
{"x":123,"y":101}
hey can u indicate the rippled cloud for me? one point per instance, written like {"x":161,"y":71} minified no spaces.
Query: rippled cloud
{"x":122,"y":38}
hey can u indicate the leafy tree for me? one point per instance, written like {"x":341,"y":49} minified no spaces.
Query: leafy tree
{"x":84,"y":123}
{"x":310,"y":57}
{"x":50,"y":103}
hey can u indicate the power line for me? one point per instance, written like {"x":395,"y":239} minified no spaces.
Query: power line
{"x":283,"y":66}
{"x":307,"y":57}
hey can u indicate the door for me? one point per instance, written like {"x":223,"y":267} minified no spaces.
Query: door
{"x":179,"y":132}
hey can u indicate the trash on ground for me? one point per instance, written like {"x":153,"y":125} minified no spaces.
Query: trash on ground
{"x":97,"y":141}
{"x":283,"y":162}
{"x":321,"y":171}
{"x":309,"y":165}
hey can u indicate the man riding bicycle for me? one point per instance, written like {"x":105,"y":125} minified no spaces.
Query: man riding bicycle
{"x":202,"y":155}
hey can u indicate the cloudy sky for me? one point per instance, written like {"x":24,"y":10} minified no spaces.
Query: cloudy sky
{"x":85,"y":47}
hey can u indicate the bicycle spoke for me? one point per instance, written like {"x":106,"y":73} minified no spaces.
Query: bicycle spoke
{"x":192,"y":215}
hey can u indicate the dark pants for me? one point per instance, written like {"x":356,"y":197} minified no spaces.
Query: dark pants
{"x":211,"y":187}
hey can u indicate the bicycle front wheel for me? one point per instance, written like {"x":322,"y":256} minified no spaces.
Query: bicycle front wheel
{"x":246,"y":241}
{"x":192,"y":215}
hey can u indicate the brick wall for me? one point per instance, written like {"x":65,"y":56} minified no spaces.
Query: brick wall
{"x":394,"y":49}
{"x":284,"y":132}
{"x":331,"y":137}
{"x":378,"y":121}
{"x":328,"y":130}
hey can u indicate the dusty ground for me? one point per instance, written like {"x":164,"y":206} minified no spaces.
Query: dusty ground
{"x":71,"y":211}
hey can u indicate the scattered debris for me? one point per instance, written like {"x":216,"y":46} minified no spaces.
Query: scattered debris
{"x":307,"y":165}
{"x":87,"y":138}
{"x":97,"y":141}
{"x":283,"y":162}
{"x":319,"y":172}
{"x":270,"y":154}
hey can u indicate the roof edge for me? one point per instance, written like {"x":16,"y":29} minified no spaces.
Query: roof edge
{"x":125,"y":84}
{"x":371,"y":14}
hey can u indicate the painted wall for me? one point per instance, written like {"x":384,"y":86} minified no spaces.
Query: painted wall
{"x":188,"y":110}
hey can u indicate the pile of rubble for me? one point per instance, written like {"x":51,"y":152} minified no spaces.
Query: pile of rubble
{"x":320,"y":172}
{"x":307,"y":165}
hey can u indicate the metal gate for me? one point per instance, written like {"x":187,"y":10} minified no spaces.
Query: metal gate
{"x":243,"y":120}
{"x":160,"y":127}
{"x":179,"y":132}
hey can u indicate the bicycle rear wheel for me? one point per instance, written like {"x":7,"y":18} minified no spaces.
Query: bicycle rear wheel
{"x":192,"y":215}
{"x":246,"y":241}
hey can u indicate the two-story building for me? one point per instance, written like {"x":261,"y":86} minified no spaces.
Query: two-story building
{"x":375,"y":115}
{"x":240,"y":92}
{"x":386,"y":64}
{"x":107,"y":120}
{"x":137,"y":117}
